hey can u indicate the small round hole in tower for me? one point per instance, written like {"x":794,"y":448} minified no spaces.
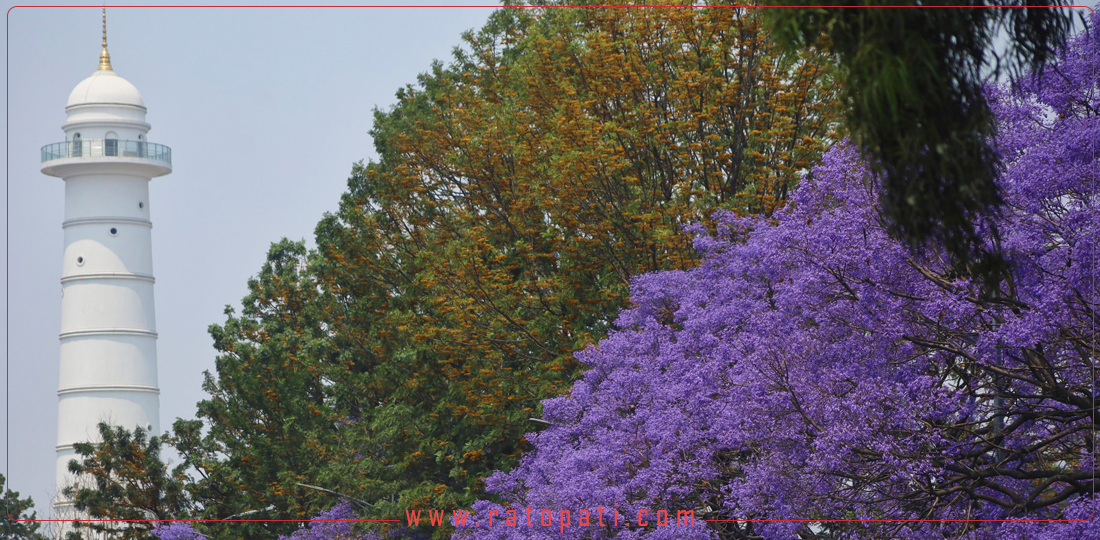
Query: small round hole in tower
{"x":80,"y":261}
{"x":114,"y":231}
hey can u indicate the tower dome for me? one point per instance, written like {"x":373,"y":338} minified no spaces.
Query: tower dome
{"x":105,"y":87}
{"x":105,"y":106}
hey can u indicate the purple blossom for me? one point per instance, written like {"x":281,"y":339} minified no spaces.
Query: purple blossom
{"x":336,"y":523}
{"x":814,"y":368}
{"x":177,"y":531}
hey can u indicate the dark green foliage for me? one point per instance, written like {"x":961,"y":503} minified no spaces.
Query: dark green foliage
{"x":270,"y":411}
{"x":912,"y":84}
{"x":123,"y":478}
{"x":12,"y":527}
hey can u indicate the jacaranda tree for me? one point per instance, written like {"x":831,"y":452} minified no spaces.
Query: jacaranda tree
{"x":814,"y":368}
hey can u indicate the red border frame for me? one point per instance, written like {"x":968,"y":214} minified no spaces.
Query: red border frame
{"x":7,"y":233}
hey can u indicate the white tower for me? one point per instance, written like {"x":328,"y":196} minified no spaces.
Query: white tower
{"x":108,"y":330}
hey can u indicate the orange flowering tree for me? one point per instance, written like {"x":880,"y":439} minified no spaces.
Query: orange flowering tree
{"x":517,"y":190}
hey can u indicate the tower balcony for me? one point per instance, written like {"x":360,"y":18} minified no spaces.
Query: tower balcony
{"x":70,"y":157}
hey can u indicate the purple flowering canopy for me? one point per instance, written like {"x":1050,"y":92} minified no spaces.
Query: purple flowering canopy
{"x":812,"y":368}
{"x":177,"y":531}
{"x":336,"y":523}
{"x":333,"y":524}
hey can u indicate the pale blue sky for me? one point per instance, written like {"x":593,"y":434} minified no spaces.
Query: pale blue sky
{"x":265,"y":109}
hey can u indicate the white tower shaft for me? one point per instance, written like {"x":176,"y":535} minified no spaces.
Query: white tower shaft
{"x":108,"y":324}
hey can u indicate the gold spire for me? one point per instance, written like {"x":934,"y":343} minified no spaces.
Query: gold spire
{"x":104,"y":56}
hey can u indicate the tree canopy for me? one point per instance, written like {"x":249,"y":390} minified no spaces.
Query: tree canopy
{"x":13,"y":526}
{"x":790,"y":359}
{"x":517,"y":190}
{"x":912,"y":85}
{"x":121,"y":477}
{"x":814,"y":368}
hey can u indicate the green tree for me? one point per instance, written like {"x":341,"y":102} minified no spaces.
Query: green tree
{"x":122,"y":477}
{"x":517,"y":190}
{"x":911,"y":84}
{"x":14,"y":527}
{"x":270,"y":414}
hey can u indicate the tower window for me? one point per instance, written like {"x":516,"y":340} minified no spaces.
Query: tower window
{"x":110,"y":144}
{"x":114,"y":231}
{"x":77,"y":149}
{"x":80,"y":261}
{"x":141,"y":205}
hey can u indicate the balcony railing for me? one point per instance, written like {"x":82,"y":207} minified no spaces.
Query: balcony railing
{"x":106,"y":148}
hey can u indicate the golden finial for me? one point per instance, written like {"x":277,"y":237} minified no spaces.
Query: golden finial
{"x":104,"y":56}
